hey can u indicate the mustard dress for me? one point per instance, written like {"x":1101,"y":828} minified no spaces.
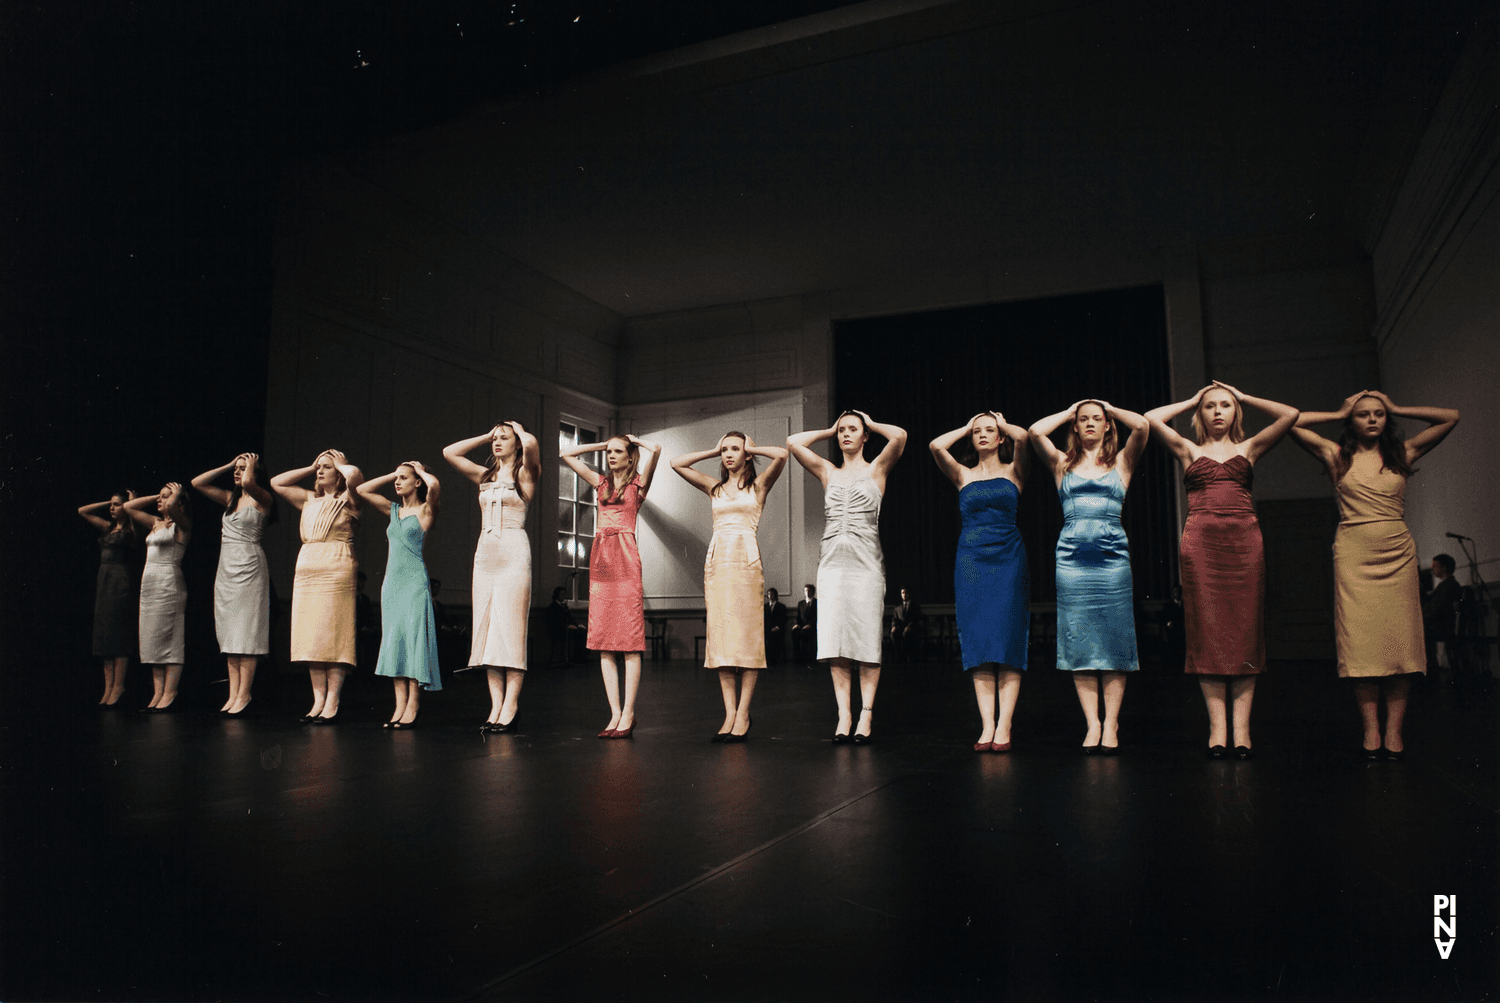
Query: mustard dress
{"x":324,"y":587}
{"x":1377,"y":614}
{"x":733,"y":583}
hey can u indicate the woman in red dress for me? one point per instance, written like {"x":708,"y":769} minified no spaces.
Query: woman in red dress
{"x":617,"y":607}
{"x":1223,"y":558}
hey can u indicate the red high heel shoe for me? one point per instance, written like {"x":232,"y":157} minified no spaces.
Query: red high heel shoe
{"x":623,"y":732}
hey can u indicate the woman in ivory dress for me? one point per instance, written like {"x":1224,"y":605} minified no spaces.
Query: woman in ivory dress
{"x":242,"y":587}
{"x":507,"y":482}
{"x":617,"y":606}
{"x":116,"y":608}
{"x":1377,"y":615}
{"x":733,"y":580}
{"x":851,"y":568}
{"x":163,"y":633}
{"x":323,"y":589}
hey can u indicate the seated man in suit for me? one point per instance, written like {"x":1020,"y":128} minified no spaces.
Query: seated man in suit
{"x":805,"y":630}
{"x":906,"y":627}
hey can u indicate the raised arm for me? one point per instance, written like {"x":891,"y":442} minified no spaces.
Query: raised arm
{"x":1135,"y":446}
{"x":895,"y":445}
{"x":570,"y":456}
{"x":457,"y":455}
{"x":1283,"y":417}
{"x":531,"y":463}
{"x":204,"y":483}
{"x":1323,"y":449}
{"x":352,"y":479}
{"x":138,"y":509}
{"x":97,"y":521}
{"x":1440,"y":421}
{"x":683,"y":465}
{"x":1161,"y":418}
{"x":257,"y":494}
{"x":940,"y":449}
{"x":647,"y":470}
{"x":800,"y":445}
{"x":370,"y":492}
{"x":1020,"y":464}
{"x":767,"y":478}
{"x":285,"y":484}
{"x":1041,"y":436}
{"x":434,"y":495}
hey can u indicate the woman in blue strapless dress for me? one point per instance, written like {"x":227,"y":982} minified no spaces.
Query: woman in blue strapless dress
{"x":1095,"y":604}
{"x":991,"y":586}
{"x":408,"y":626}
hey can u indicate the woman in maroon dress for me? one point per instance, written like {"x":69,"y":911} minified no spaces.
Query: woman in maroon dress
{"x":1223,"y":559}
{"x":617,"y":607}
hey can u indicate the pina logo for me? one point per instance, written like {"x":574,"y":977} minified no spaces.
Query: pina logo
{"x":1445,"y":927}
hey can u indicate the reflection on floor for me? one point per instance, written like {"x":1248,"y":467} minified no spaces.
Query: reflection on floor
{"x":185,"y":857}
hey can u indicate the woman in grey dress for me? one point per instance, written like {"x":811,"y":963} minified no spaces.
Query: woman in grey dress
{"x":851,"y":568}
{"x":242,"y":587}
{"x":163,"y":590}
{"x":115,"y":606}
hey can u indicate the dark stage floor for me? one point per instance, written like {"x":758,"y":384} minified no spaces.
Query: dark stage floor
{"x":185,"y":857}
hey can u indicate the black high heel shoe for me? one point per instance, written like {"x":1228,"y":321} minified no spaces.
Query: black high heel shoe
{"x":406,"y":725}
{"x":325,"y":720}
{"x":1243,"y":752}
{"x":733,"y":739}
{"x":859,"y":739}
{"x":1217,"y":752}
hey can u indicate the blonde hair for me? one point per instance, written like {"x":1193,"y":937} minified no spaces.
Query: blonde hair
{"x":607,"y":489}
{"x":1107,"y":449}
{"x":1236,"y":427}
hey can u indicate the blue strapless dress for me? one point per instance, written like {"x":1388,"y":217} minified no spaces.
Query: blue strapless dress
{"x":991,"y":585}
{"x":1095,"y":601}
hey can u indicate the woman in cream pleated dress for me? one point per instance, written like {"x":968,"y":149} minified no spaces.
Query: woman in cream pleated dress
{"x":324,"y":586}
{"x":1377,"y":616}
{"x":502,"y":561}
{"x":733,"y":581}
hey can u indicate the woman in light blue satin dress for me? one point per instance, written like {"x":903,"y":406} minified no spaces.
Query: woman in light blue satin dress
{"x":1095,"y":604}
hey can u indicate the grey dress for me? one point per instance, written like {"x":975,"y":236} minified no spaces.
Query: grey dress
{"x":114,"y":597}
{"x":163,"y":599}
{"x":242,"y":588}
{"x":851,"y":574}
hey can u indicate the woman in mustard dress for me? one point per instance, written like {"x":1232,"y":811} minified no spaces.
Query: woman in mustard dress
{"x":324,"y":586}
{"x":733,"y":580}
{"x":1377,"y":615}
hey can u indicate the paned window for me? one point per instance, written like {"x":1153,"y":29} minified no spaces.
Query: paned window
{"x":576,"y":504}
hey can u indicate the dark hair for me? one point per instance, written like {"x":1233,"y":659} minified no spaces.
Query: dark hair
{"x":558,"y":591}
{"x":774,"y":593}
{"x":1392,"y":448}
{"x":724,"y":471}
{"x":238,"y":489}
{"x":864,"y":424}
{"x":1448,"y":563}
{"x":1005,"y":450}
{"x":1107,"y":449}
{"x":421,"y":481}
{"x":814,"y":588}
{"x":127,"y":525}
{"x":494,"y":472}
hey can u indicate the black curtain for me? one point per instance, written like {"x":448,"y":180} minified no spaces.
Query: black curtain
{"x":930,"y":372}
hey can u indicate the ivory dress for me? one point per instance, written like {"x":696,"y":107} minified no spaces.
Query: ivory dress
{"x":1095,"y":600}
{"x":163,"y":599}
{"x":502,"y":579}
{"x":324,"y":587}
{"x":408,"y":626}
{"x":617,"y":605}
{"x":851,"y":574}
{"x":116,"y":610}
{"x":1377,"y":613}
{"x":733,"y":583}
{"x":1223,"y":570}
{"x":242,"y":588}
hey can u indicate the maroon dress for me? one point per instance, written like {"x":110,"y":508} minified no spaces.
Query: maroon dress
{"x":617,"y":607}
{"x":1223,"y":571}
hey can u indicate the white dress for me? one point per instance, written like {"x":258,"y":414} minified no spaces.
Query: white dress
{"x":163,"y":599}
{"x":851,"y":574}
{"x":502,"y":579}
{"x":242,"y":588}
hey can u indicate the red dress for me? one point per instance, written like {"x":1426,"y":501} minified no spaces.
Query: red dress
{"x":1223,"y":571}
{"x":617,"y":605}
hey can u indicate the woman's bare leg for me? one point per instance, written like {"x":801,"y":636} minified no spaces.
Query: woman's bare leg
{"x":611,"y":673}
{"x":513,"y":680}
{"x":842,"y":671}
{"x":984,"y":696}
{"x":748,"y":679}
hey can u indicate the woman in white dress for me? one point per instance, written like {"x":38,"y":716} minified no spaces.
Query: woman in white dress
{"x":242,"y":587}
{"x":851,"y":568}
{"x":502,"y":561}
{"x":163,"y":591}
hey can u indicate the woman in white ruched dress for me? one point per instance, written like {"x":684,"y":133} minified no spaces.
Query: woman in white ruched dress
{"x":163,"y":630}
{"x":851,"y":570}
{"x":502,"y":562}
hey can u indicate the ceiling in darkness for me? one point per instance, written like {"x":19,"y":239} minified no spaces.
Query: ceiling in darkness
{"x":886,"y":141}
